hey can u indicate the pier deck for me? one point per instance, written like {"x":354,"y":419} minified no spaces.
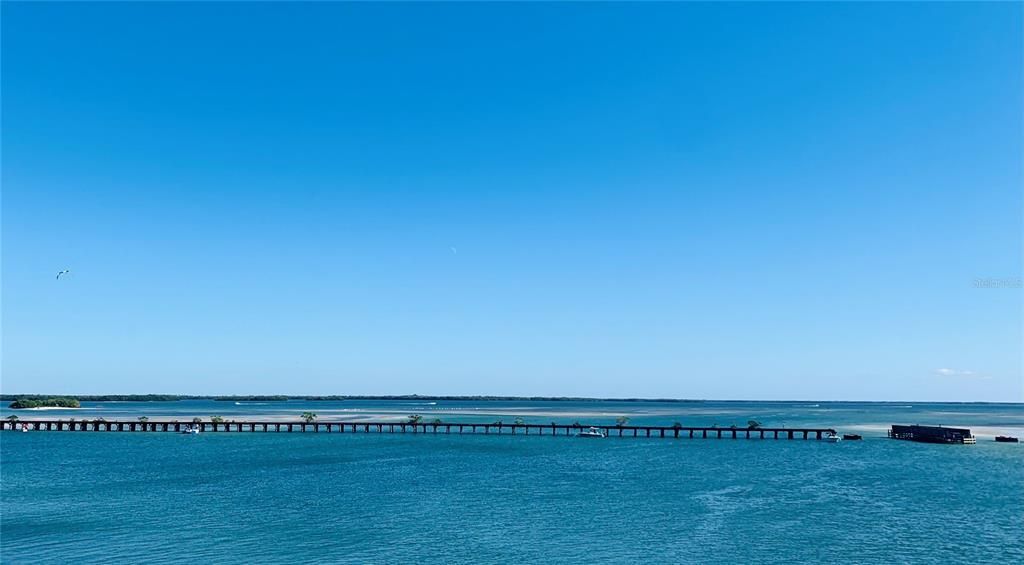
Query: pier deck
{"x":416,"y":428}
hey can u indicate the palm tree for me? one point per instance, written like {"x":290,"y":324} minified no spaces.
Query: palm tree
{"x":309,"y":417}
{"x":143,"y":419}
{"x":753,"y":424}
{"x":676,"y":425}
{"x":12,"y":418}
{"x":216,"y":419}
{"x":519,"y":421}
{"x":438,"y":421}
{"x":415,"y":418}
{"x":621,"y":421}
{"x":197,"y":420}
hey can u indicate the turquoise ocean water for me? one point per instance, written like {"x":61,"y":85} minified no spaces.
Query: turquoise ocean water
{"x":353,"y":498}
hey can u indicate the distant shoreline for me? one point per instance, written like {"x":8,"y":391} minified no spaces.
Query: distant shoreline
{"x":458,"y":398}
{"x":285,"y":398}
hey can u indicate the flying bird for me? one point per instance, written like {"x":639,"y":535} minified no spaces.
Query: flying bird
{"x":64,"y":272}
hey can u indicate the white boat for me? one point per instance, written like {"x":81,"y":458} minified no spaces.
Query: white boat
{"x":833,"y":437}
{"x":591,"y":432}
{"x":24,"y":427}
{"x":190,"y":430}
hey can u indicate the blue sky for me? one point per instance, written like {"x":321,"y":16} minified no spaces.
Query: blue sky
{"x":736,"y":201}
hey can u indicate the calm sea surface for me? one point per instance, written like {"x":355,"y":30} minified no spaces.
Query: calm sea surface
{"x":354,"y":498}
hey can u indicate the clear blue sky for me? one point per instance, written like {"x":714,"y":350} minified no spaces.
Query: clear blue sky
{"x":675,"y":200}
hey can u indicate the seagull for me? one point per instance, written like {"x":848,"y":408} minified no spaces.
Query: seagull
{"x":64,"y":272}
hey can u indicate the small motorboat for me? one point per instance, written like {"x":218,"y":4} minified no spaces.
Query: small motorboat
{"x":1007,"y":439}
{"x":24,"y":427}
{"x":852,"y":437}
{"x":190,"y":430}
{"x":833,"y":437}
{"x":591,"y":432}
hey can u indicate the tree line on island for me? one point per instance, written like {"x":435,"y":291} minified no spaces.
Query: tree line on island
{"x":332,"y":397}
{"x":44,"y":402}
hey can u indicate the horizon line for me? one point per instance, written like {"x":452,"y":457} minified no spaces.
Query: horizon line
{"x":455,"y":397}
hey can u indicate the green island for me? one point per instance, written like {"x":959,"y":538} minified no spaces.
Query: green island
{"x":52,"y":402}
{"x":101,"y":397}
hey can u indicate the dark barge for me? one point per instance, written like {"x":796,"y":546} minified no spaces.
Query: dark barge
{"x":931,"y":434}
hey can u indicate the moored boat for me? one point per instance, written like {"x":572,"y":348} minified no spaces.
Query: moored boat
{"x":853,"y":437}
{"x":591,"y":432}
{"x":833,"y":437}
{"x":1006,"y":439}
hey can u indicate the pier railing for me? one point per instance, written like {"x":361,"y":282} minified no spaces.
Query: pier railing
{"x":416,"y":428}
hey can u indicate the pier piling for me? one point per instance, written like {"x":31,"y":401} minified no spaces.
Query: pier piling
{"x":98,"y":425}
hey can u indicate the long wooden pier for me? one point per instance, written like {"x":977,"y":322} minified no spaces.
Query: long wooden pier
{"x":415,"y":428}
